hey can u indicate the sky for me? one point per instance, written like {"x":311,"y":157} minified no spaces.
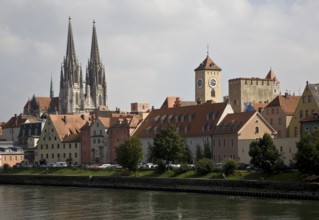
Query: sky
{"x":150,"y":48}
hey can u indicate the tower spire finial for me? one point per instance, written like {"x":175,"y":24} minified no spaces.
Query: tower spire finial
{"x":207,"y":49}
{"x":51,"y":88}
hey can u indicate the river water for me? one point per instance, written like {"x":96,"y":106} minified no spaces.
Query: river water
{"x":46,"y":202}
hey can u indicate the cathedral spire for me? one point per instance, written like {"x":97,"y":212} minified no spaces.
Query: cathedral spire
{"x":95,"y":55}
{"x":51,"y":88}
{"x":70,"y":49}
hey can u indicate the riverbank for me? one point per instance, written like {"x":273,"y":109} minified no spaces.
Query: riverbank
{"x":291,"y":190}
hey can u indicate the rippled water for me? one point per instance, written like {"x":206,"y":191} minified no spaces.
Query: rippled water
{"x":43,"y":202}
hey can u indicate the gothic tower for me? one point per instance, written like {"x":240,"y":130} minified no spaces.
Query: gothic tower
{"x":71,"y":79}
{"x":208,"y":81}
{"x":95,"y":74}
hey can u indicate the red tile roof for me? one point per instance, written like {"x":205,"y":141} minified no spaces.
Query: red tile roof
{"x":271,"y":75}
{"x":208,"y":64}
{"x":193,"y":120}
{"x":286,"y":102}
{"x":68,"y":126}
{"x":17,"y":120}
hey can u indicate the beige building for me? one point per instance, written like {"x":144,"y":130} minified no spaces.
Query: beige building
{"x":208,"y":81}
{"x":279,"y":113}
{"x":60,"y":139}
{"x":308,"y":104}
{"x":232,"y":137}
{"x":244,"y":92}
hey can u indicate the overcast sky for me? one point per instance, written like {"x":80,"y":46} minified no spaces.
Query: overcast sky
{"x":150,"y":48}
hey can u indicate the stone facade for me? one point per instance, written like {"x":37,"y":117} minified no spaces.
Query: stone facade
{"x":247,"y":91}
{"x":77,"y":96}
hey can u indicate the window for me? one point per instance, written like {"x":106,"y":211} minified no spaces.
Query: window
{"x":69,"y":145}
{"x":63,"y":145}
{"x":304,"y":99}
{"x":41,"y":146}
{"x":310,"y":98}
{"x":46,"y":146}
{"x":307,"y":113}
{"x":256,"y":130}
{"x":301,"y":114}
{"x":63,"y":155}
{"x":58,"y":146}
{"x":52,"y":156}
{"x":281,"y":149}
{"x":52,"y":146}
{"x":58,"y":155}
{"x":47,"y":156}
{"x":76,"y":155}
{"x":70,"y":155}
{"x":76,"y":145}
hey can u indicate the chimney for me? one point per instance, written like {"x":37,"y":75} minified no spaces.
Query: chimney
{"x":199,"y":101}
{"x":65,"y":119}
{"x":286,"y":95}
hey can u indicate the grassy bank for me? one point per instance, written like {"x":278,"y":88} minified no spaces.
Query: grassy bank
{"x":243,"y":174}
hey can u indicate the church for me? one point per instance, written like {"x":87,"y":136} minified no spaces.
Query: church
{"x":77,"y":94}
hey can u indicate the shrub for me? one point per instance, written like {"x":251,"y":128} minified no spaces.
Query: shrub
{"x":6,"y":166}
{"x":204,"y":166}
{"x":182,"y":169}
{"x":229,"y":166}
{"x":161,"y":167}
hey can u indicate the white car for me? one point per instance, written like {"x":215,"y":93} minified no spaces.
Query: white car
{"x":104,"y":166}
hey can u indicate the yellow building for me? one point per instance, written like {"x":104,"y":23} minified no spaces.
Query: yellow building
{"x":308,"y":104}
{"x":208,"y":82}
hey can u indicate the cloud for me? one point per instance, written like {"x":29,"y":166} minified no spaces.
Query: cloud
{"x":150,"y":48}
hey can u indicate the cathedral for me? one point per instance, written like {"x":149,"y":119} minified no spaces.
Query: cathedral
{"x":78,"y":95}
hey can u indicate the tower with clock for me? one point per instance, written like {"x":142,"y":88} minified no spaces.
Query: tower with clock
{"x":208,"y":81}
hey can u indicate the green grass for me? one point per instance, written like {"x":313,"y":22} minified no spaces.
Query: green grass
{"x":239,"y":175}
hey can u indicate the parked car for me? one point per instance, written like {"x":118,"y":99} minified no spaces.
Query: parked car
{"x":61,"y":164}
{"x":104,"y":166}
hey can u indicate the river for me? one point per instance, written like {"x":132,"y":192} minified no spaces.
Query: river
{"x":46,"y":202}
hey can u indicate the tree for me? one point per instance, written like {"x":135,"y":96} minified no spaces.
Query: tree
{"x":198,"y":152}
{"x":130,"y":153}
{"x":264,"y":154}
{"x":307,"y":156}
{"x":207,"y":150}
{"x":188,"y":155}
{"x":229,"y":166}
{"x":169,"y":146}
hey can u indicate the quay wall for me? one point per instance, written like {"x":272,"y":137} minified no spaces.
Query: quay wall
{"x":295,"y":190}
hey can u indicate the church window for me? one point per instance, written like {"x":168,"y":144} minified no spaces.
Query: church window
{"x":256,"y":130}
{"x":76,"y":98}
{"x":100,"y":100}
{"x":213,"y":94}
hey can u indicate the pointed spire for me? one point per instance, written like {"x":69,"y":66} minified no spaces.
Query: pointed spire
{"x":51,"y":88}
{"x":70,"y":49}
{"x":271,"y":75}
{"x":95,"y":55}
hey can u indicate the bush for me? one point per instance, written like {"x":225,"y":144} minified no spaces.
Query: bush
{"x":229,"y":166}
{"x":161,"y":167}
{"x":6,"y":166}
{"x":204,"y":166}
{"x":182,"y":169}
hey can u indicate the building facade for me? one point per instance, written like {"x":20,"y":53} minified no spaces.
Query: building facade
{"x":208,"y":81}
{"x":10,"y":154}
{"x":60,"y":139}
{"x":279,"y":113}
{"x":231,"y":138}
{"x":77,"y":96}
{"x":307,"y":106}
{"x":245,"y":92}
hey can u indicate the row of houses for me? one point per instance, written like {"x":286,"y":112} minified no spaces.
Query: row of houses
{"x":93,"y":138}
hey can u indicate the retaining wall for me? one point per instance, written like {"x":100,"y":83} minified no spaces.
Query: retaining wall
{"x":297,"y":190}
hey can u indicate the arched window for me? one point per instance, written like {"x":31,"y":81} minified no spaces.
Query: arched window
{"x":76,"y":98}
{"x":100,"y":100}
{"x":213,"y":93}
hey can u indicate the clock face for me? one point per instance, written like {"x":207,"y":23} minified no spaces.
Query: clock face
{"x":212,"y":82}
{"x":199,"y":82}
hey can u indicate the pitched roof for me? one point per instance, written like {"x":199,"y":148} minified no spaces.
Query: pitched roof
{"x":68,"y":126}
{"x":193,"y":120}
{"x":232,"y":123}
{"x":18,"y":120}
{"x":208,"y":64}
{"x":271,"y":75}
{"x":286,"y":102}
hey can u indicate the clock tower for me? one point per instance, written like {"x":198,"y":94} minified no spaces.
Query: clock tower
{"x":208,"y":81}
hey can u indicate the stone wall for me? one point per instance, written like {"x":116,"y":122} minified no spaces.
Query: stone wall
{"x":297,"y":190}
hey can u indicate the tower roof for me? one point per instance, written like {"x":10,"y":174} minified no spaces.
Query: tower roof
{"x":95,"y":55}
{"x":70,"y":49}
{"x":271,"y":75}
{"x":208,"y":64}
